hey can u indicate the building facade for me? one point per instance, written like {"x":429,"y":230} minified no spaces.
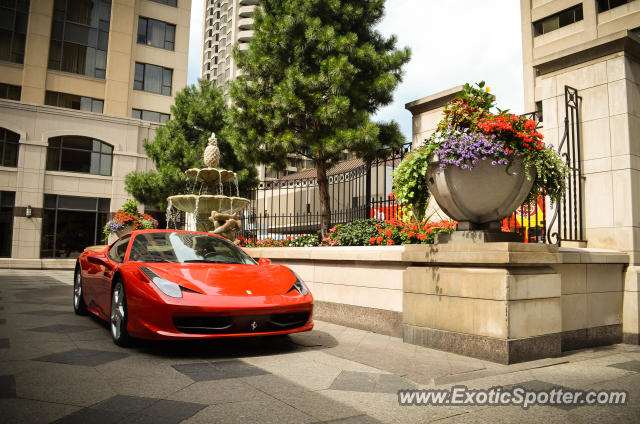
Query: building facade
{"x":82,"y":84}
{"x":226,"y":23}
{"x":594,"y":47}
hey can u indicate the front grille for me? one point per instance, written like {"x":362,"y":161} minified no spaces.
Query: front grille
{"x":248,"y":324}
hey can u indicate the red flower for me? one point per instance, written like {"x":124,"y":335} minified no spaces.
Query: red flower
{"x":411,"y":233}
{"x":388,"y":232}
{"x":379,"y":239}
{"x":390,"y":242}
{"x":372,"y":240}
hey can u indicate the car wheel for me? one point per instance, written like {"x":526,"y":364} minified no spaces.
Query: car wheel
{"x":79,"y":306}
{"x":119,"y":315}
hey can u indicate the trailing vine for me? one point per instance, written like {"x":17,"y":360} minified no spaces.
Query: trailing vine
{"x":410,"y":185}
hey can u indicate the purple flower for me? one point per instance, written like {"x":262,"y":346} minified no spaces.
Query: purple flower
{"x":464,"y":149}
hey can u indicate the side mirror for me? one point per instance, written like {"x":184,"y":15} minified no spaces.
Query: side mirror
{"x":99,"y":260}
{"x":264,"y":261}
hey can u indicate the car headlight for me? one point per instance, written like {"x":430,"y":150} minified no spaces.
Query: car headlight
{"x":165,"y":286}
{"x":299,"y":286}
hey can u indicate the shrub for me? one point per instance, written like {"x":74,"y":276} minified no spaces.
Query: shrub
{"x":358,"y":233}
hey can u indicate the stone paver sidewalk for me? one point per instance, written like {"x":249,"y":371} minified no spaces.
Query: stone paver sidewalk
{"x":59,"y":367}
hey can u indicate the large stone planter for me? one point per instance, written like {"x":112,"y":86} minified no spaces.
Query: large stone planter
{"x":125,"y":230}
{"x":480,"y":198}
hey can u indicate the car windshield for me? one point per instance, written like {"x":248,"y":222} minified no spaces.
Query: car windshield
{"x":185,"y":248}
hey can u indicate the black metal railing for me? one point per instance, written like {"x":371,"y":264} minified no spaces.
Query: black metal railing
{"x":291,"y":205}
{"x":567,"y":222}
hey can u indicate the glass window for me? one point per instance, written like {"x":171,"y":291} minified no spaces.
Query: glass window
{"x":173,"y":3}
{"x":156,"y":33}
{"x":70,"y":224}
{"x":152,"y":78}
{"x":558,"y":20}
{"x":79,"y":154}
{"x":71,"y":101}
{"x":11,"y":92}
{"x":9,"y":148}
{"x":7,"y":202}
{"x":119,"y":249}
{"x":186,"y":248}
{"x":148,"y":115}
{"x":80,"y":36}
{"x":604,"y":5}
{"x":14,"y":15}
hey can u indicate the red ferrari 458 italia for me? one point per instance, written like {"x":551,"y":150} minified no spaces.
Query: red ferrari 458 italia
{"x":170,"y":284}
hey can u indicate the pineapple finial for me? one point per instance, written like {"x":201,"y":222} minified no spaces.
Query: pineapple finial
{"x":212,"y":152}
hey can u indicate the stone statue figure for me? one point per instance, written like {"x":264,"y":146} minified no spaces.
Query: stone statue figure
{"x":225,"y":225}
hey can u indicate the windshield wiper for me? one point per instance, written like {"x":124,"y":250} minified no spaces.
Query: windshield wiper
{"x":204,"y":261}
{"x":156,"y":260}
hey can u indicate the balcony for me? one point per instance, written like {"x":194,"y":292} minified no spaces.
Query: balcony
{"x":245,"y":35}
{"x":245,"y":23}
{"x":246,"y":11}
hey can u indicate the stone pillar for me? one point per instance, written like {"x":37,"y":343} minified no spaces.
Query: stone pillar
{"x":504,"y":314}
{"x":512,"y":302}
{"x":29,"y":189}
{"x":34,"y":73}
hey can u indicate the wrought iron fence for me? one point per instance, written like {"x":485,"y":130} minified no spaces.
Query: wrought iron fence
{"x":291,"y":205}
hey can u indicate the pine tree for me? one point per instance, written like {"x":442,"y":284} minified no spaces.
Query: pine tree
{"x":198,"y":111}
{"x":314,"y":73}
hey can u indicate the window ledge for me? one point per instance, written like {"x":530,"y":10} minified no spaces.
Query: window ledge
{"x":9,"y":168}
{"x":79,"y":175}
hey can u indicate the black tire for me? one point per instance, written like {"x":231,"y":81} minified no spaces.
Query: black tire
{"x":119,"y":315}
{"x":79,"y":306}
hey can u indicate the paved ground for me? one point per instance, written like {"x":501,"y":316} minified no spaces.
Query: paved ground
{"x":59,"y":367}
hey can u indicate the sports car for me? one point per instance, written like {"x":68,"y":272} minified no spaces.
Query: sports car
{"x":171,"y":284}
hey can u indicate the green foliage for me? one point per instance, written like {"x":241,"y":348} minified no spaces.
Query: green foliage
{"x":469,"y":107}
{"x":130,"y":206}
{"x":314,"y":73}
{"x":357,"y":233}
{"x":551,"y":174}
{"x":410,"y":185}
{"x":198,"y":111}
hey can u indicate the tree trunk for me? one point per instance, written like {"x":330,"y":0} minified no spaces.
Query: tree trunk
{"x":325,"y":204}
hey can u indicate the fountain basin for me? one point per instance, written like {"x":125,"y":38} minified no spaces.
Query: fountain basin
{"x":208,"y":203}
{"x":210,"y":176}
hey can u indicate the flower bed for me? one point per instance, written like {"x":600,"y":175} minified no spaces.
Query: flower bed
{"x":362,"y":233}
{"x":129,"y":216}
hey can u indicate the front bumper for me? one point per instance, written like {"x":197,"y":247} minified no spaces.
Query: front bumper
{"x":197,"y":316}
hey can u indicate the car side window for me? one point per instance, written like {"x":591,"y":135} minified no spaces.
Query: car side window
{"x":119,"y":249}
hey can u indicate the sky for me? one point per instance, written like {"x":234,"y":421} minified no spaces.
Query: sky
{"x":452,"y":42}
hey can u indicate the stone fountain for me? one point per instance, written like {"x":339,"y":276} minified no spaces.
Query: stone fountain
{"x":213,"y":210}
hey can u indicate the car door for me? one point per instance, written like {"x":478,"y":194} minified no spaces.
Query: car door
{"x":115,"y":257}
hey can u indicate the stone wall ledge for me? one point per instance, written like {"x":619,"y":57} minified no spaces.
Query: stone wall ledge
{"x":13,"y":263}
{"x":454,"y":253}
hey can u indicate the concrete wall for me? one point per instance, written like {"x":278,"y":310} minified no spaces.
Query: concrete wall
{"x":496,"y":291}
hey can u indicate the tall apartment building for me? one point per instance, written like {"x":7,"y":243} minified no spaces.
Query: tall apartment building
{"x":594,"y":47}
{"x":226,"y":23}
{"x":82,"y":84}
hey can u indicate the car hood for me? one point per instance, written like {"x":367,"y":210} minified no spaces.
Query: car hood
{"x":228,"y":279}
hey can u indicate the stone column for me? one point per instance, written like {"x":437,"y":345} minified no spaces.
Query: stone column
{"x":29,"y":192}
{"x":512,"y":302}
